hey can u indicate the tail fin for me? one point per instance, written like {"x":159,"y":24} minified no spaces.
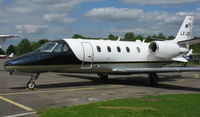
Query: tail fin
{"x":185,"y":32}
{"x":11,"y":55}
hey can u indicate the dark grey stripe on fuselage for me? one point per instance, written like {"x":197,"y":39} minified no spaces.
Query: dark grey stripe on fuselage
{"x":78,"y":68}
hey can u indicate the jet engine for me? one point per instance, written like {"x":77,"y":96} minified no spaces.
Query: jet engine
{"x":165,"y":50}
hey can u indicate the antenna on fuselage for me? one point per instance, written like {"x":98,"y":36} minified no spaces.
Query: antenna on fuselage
{"x":119,"y":39}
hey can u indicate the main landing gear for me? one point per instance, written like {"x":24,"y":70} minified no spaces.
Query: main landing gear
{"x":31,"y":84}
{"x":103,"y":77}
{"x":152,"y":80}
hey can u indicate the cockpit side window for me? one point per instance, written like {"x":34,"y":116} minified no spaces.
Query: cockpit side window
{"x":58,"y":48}
{"x":65,"y":48}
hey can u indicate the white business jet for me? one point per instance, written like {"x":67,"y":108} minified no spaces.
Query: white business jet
{"x":105,"y":57}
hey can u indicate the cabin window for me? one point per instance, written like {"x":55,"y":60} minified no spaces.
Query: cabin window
{"x":118,"y":49}
{"x":108,"y":48}
{"x":138,"y":49}
{"x":98,"y":48}
{"x":127,"y":49}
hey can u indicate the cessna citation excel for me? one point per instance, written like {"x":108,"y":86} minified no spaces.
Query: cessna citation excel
{"x":105,"y":57}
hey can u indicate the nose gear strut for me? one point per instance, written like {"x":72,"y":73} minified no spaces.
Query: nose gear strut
{"x":31,"y":84}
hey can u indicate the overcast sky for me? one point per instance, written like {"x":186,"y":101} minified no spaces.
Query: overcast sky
{"x":54,"y":19}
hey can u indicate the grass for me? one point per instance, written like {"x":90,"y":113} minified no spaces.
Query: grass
{"x":181,"y":105}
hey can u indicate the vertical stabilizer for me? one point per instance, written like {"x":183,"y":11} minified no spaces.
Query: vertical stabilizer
{"x":11,"y":55}
{"x":185,"y":32}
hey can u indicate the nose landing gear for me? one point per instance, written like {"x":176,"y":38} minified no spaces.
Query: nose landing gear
{"x":31,"y":84}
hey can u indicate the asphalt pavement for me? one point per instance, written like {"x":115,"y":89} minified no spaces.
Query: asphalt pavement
{"x":62,"y":89}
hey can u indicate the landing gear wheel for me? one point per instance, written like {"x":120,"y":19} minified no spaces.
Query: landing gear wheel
{"x":103,"y":77}
{"x":31,"y":85}
{"x":152,"y":79}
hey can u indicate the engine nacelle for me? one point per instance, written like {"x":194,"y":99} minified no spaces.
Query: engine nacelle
{"x":164,"y":49}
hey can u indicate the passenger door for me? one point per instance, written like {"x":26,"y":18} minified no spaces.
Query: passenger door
{"x":88,"y":55}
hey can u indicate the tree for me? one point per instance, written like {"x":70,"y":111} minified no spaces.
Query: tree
{"x":161,"y":36}
{"x":2,"y":51}
{"x":43,"y":41}
{"x":139,"y":37}
{"x":11,"y":49}
{"x":170,"y":37}
{"x":77,"y":36}
{"x":24,"y":47}
{"x":112,"y":37}
{"x":129,"y":36}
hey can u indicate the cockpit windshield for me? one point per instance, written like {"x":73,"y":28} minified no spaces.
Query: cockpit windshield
{"x":53,"y":47}
{"x":48,"y":47}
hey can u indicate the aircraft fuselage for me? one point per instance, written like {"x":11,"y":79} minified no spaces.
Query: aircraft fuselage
{"x":86,"y":56}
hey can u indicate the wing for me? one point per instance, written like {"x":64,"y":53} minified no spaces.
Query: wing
{"x":157,"y":70}
{"x":3,"y":38}
{"x":8,"y":36}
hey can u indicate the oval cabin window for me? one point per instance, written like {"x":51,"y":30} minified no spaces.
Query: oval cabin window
{"x":138,"y":49}
{"x":98,"y":48}
{"x":127,"y":49}
{"x":118,"y":49}
{"x":108,"y":48}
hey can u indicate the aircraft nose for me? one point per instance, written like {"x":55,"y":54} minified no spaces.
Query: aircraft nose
{"x":8,"y":66}
{"x":14,"y":64}
{"x":7,"y":63}
{"x":11,"y":63}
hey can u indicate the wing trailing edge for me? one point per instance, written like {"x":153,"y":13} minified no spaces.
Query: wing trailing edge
{"x":157,"y":70}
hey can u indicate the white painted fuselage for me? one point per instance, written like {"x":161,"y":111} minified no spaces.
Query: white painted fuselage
{"x":105,"y":55}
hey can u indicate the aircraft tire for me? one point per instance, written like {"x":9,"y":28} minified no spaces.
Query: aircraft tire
{"x":31,"y":85}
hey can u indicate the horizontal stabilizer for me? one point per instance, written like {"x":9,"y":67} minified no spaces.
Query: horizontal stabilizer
{"x":158,"y":70}
{"x":190,"y":41}
{"x":180,"y":59}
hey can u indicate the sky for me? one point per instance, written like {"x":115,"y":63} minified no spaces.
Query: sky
{"x":56,"y":19}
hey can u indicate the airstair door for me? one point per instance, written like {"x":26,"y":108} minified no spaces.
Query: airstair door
{"x":88,"y":55}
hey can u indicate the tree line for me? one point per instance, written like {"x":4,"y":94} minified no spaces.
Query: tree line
{"x":23,"y":47}
{"x":130,"y":36}
{"x":26,"y":46}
